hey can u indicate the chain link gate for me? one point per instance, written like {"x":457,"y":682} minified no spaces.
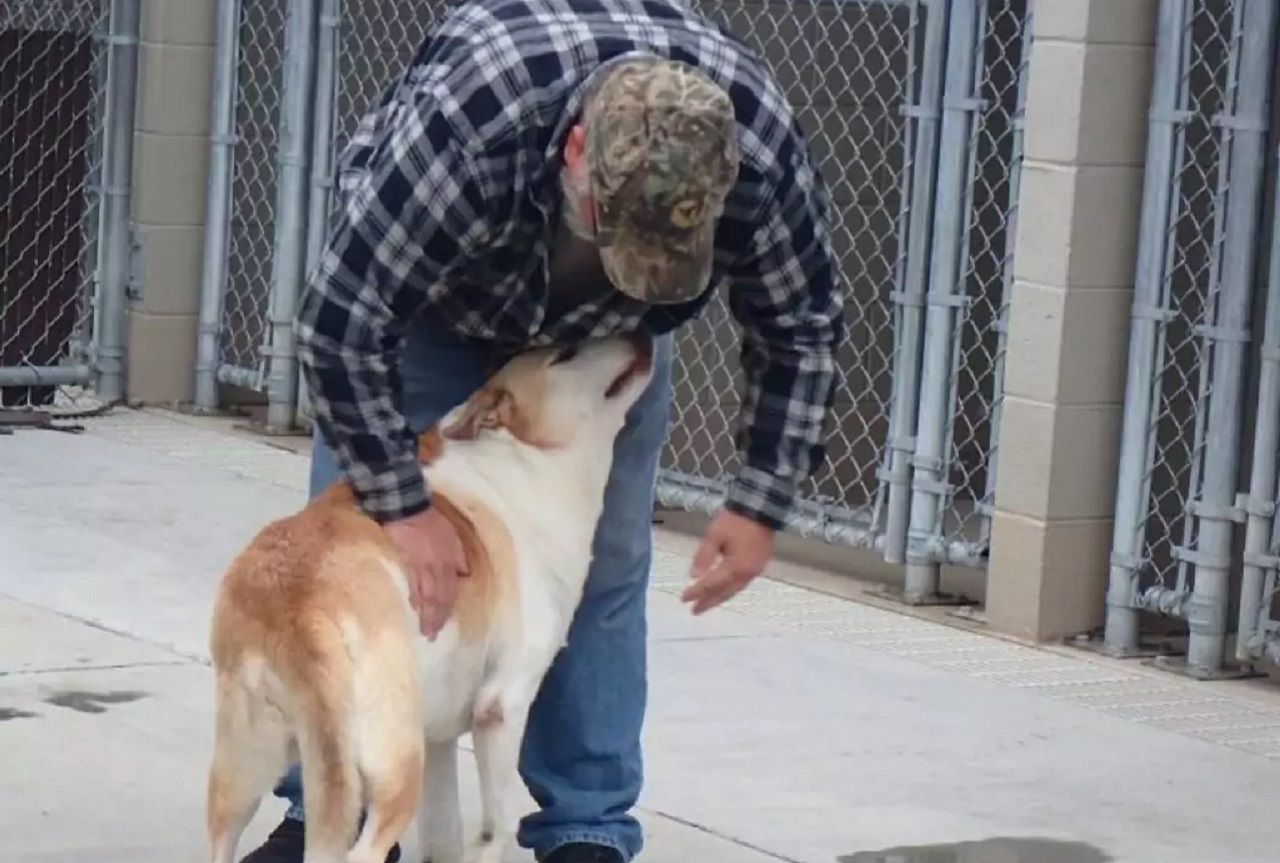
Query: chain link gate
{"x":1258,"y":630}
{"x":1183,"y":432}
{"x":68,"y":75}
{"x":923,"y":233}
{"x":848,"y":69}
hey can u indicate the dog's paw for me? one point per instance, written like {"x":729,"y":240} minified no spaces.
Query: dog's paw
{"x":486,"y":849}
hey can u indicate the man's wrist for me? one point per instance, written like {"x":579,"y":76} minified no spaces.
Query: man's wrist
{"x":761,"y":518}
{"x":395,"y":496}
{"x":762,"y":497}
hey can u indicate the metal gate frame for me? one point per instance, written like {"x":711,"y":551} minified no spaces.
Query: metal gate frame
{"x":96,"y":358}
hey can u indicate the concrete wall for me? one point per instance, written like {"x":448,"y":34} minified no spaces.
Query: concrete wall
{"x":1089,"y":85}
{"x":171,"y":149}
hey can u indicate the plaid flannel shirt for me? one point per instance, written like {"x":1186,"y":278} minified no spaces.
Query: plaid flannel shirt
{"x":449,"y":195}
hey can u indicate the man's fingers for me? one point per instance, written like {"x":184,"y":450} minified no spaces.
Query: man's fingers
{"x":712,"y":587}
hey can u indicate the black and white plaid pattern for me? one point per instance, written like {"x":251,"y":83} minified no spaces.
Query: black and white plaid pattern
{"x":449,"y":198}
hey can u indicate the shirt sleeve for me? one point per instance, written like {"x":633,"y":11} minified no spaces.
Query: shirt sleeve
{"x":784,"y":293}
{"x":412,"y":208}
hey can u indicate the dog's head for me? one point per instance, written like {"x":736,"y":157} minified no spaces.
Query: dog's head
{"x":559,"y":398}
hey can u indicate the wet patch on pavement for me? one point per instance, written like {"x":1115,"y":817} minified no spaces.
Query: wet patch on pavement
{"x":1003,"y":849}
{"x":83,"y":701}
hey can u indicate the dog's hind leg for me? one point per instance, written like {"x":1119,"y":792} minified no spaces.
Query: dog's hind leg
{"x":250,"y":753}
{"x":389,"y":747}
{"x":393,"y":780}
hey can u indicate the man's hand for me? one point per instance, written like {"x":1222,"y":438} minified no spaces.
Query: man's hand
{"x":433,"y":560}
{"x":734,"y":550}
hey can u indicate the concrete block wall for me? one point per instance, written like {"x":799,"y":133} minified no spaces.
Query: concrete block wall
{"x":1089,"y":86}
{"x":171,"y":149}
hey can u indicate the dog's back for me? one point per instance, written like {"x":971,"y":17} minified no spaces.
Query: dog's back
{"x":314,"y":651}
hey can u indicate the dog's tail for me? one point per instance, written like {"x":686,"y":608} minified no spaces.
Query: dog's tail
{"x":332,"y":789}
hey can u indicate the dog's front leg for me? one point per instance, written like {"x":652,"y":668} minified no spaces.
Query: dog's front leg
{"x":497,"y":732}
{"x":439,"y":807}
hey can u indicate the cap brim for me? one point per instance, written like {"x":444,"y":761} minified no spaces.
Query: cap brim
{"x":652,"y":271}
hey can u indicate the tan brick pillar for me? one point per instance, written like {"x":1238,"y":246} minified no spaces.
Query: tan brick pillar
{"x":1086,"y":111}
{"x":171,"y":147}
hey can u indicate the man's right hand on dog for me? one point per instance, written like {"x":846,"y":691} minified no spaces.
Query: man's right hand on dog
{"x":433,"y":560}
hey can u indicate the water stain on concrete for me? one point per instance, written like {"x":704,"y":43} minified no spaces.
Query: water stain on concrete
{"x":7,"y":713}
{"x":1001,"y":849}
{"x":92,"y":702}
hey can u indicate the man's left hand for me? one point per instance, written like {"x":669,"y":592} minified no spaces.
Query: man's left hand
{"x":734,"y":551}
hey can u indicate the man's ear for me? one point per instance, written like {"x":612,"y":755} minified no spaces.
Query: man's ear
{"x":489,"y":408}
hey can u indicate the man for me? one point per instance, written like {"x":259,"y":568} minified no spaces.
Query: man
{"x":547,"y":171}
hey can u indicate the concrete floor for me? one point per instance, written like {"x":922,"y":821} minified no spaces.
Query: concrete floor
{"x":789,"y":726}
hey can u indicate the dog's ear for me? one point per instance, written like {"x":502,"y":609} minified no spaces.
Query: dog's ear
{"x":489,"y":408}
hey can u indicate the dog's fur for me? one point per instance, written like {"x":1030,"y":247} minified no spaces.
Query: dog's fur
{"x":318,"y":655}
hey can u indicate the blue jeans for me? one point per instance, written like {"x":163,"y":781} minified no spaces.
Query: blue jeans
{"x":581,"y":758}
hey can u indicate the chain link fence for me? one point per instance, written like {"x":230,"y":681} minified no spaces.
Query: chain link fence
{"x":923,"y":190}
{"x":849,"y":71}
{"x":255,"y":142}
{"x":1173,"y":563}
{"x":55,"y":100}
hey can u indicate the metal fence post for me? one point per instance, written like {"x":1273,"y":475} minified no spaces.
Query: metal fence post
{"x":1259,"y":502}
{"x":218,"y":206}
{"x":288,"y":258}
{"x":909,"y":300}
{"x":929,"y":484}
{"x":117,"y":182}
{"x":319,"y":201}
{"x":1121,"y":628}
{"x":1245,"y":126}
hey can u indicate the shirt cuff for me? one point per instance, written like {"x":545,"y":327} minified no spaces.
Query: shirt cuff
{"x":398,"y":493}
{"x":762,"y":497}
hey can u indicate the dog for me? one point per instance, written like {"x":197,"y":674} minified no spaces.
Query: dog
{"x":318,"y":656}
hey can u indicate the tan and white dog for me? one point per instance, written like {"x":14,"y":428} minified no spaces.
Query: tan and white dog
{"x":318,"y":654}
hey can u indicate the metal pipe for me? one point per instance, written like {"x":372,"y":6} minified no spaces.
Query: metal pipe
{"x":929,"y":481}
{"x":1257,"y":51}
{"x":217,"y":219}
{"x":1121,"y":627}
{"x":1260,"y":501}
{"x":288,"y":259}
{"x":322,"y":142}
{"x":238,"y":376}
{"x":910,"y":299}
{"x":117,"y":182}
{"x":1229,"y":337}
{"x":45,"y":376}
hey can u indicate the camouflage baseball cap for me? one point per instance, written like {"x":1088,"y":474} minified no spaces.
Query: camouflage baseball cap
{"x":662,"y":154}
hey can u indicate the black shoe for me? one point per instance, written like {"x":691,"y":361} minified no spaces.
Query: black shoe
{"x":287,"y":843}
{"x":583,"y":852}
